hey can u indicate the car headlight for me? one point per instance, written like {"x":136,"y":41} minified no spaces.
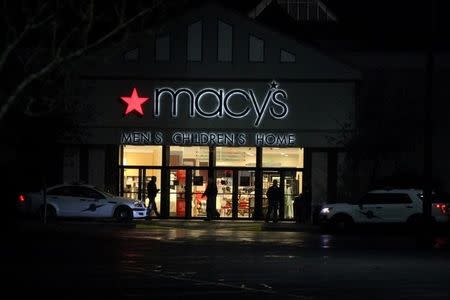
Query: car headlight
{"x":138,"y":204}
{"x":326,"y":210}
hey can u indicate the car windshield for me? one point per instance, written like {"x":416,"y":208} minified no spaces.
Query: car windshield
{"x":105,"y":193}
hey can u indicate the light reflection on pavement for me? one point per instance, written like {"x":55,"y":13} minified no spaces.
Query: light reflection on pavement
{"x":161,"y":262}
{"x":297,"y":239}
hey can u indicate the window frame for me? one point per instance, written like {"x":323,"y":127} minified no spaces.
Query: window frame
{"x":232,"y":42}
{"x":202,"y":30}
{"x":133,"y":60}
{"x":263,"y":49}
{"x":156,"y":48}
{"x":289,"y":52}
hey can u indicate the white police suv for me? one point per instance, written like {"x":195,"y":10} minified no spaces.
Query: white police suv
{"x":384,"y":206}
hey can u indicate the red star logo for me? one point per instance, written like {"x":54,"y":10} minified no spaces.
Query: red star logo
{"x":134,"y":102}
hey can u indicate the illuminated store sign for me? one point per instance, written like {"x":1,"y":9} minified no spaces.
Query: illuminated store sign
{"x":274,"y":103}
{"x":208,"y":138}
{"x":134,"y":102}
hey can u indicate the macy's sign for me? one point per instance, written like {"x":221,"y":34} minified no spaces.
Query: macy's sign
{"x":274,"y":103}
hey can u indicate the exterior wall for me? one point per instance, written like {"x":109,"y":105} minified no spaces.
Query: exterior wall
{"x":71,"y":166}
{"x":441,"y":128}
{"x":320,"y":90}
{"x":310,"y":64}
{"x":320,"y":96}
{"x":394,"y":87}
{"x":316,"y":110}
{"x":111,"y":171}
{"x":319,"y":179}
{"x":96,"y":173}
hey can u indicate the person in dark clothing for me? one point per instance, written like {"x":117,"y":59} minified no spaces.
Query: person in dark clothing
{"x":211,"y":194}
{"x":274,"y":196}
{"x":152,"y":191}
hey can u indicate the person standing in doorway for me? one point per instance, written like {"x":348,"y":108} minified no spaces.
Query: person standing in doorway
{"x":211,"y":194}
{"x":152,"y":191}
{"x":274,"y":196}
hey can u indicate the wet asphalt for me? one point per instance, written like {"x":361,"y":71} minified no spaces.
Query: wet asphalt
{"x":206,"y":260}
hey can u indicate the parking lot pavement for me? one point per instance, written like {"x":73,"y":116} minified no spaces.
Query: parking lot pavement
{"x":174,"y":259}
{"x":229,"y":224}
{"x":200,"y":224}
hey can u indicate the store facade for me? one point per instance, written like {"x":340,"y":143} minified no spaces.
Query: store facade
{"x":211,"y":95}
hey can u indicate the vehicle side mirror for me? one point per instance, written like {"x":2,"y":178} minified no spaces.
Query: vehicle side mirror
{"x":360,"y":205}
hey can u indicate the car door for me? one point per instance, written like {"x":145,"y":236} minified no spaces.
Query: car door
{"x":64,"y":200}
{"x":92,"y":203}
{"x":370,"y":209}
{"x":397,"y":207}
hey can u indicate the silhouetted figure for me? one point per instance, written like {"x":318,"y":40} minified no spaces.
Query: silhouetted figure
{"x":302,"y":208}
{"x":211,"y":194}
{"x":152,"y":191}
{"x":274,"y":196}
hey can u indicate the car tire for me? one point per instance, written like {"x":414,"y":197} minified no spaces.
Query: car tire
{"x":123,"y":214}
{"x":51,"y":213}
{"x":341,"y":223}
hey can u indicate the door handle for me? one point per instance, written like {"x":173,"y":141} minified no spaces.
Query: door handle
{"x":82,"y":199}
{"x":409,"y":206}
{"x":379,"y":207}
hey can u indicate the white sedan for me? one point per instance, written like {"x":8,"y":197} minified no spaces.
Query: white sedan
{"x":72,"y":200}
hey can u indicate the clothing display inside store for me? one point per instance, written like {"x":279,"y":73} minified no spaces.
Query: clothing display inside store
{"x":224,"y":202}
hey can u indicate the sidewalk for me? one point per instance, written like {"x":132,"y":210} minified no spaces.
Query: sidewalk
{"x":229,"y":224}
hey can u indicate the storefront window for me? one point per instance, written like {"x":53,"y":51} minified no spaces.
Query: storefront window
{"x":189,"y":156}
{"x":199,"y":182}
{"x":283,"y":157}
{"x":246,"y":194}
{"x":236,"y":156}
{"x":142,"y":155}
{"x":224,"y":180}
{"x":131,"y":187}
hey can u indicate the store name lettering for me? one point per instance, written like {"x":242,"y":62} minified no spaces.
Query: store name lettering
{"x":274,"y":103}
{"x":141,"y":138}
{"x":208,"y":138}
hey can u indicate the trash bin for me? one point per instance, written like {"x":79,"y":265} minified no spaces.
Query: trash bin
{"x":302,"y":209}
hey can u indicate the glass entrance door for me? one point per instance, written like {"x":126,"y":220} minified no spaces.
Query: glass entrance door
{"x":290,"y":182}
{"x":186,"y":189}
{"x":268,"y":178}
{"x":292,"y":187}
{"x":134,"y":183}
{"x":199,"y":180}
{"x":147,"y":174}
{"x":246,"y":194}
{"x":236,"y":193}
{"x":178,"y":191}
